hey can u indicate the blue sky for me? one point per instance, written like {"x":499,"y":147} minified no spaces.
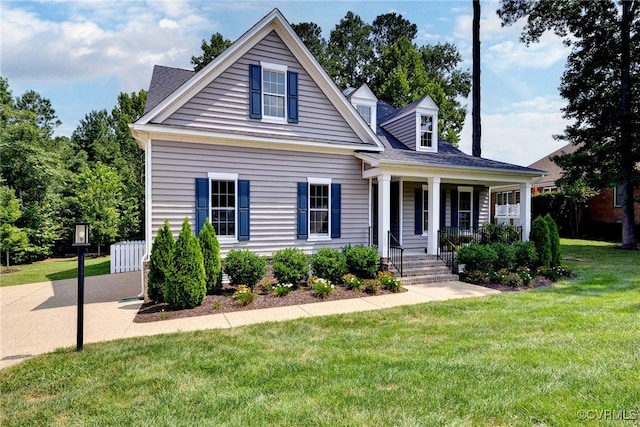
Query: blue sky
{"x":82,"y":54}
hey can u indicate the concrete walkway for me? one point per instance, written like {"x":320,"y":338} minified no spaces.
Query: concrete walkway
{"x":41,"y":317}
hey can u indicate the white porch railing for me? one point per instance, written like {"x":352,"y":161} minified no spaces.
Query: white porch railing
{"x":507,"y":211}
{"x":126,"y":256}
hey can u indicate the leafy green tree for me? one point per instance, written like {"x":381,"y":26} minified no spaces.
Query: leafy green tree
{"x":211,"y":255}
{"x":601,"y":85}
{"x":350,"y":51}
{"x":541,"y":240}
{"x":186,"y":285}
{"x":98,"y":191}
{"x":159,"y":262}
{"x":12,"y":238}
{"x":388,"y":28}
{"x":210,"y":51}
{"x":554,"y":240}
{"x":311,"y":36}
{"x":45,"y":115}
{"x":401,"y":70}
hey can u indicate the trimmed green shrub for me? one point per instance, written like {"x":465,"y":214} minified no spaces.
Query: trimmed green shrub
{"x":330,"y":264}
{"x":244,"y":267}
{"x":211,"y":256}
{"x":501,"y":233}
{"x":478,"y":257}
{"x":554,"y":240}
{"x":526,"y":255}
{"x":186,"y":285}
{"x":541,"y":240}
{"x":290,"y":265}
{"x":159,"y":262}
{"x":506,"y":256}
{"x":362,"y":261}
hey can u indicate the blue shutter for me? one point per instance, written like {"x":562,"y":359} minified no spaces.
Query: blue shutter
{"x":454,"y":208}
{"x":202,"y":202}
{"x":335,"y":210}
{"x":476,"y":209}
{"x":255,"y":91}
{"x":292,"y":97}
{"x":418,"y":211}
{"x":303,"y":210}
{"x":243,"y":209}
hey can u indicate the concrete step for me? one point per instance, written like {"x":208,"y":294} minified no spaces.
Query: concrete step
{"x":421,"y":280}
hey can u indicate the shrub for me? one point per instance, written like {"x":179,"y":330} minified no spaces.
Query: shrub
{"x":477,"y":277}
{"x":244,"y":295}
{"x":526,"y":255}
{"x":320,"y":287}
{"x":506,"y":256}
{"x":186,"y":286}
{"x":351,"y":282}
{"x":525,"y":275}
{"x":541,"y":240}
{"x":159,"y":262}
{"x":501,"y":233}
{"x":290,"y":265}
{"x":330,"y":264}
{"x":553,"y":273}
{"x":478,"y":257}
{"x":211,"y":256}
{"x":371,"y":286}
{"x":362,"y":261}
{"x":281,"y":289}
{"x":244,"y":267}
{"x":554,"y":240}
{"x":387,"y":281}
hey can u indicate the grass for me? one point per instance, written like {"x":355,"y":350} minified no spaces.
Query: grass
{"x":43,"y":271}
{"x":560,"y":355}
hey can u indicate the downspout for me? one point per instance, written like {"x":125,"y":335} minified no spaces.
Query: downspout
{"x":146,"y":142}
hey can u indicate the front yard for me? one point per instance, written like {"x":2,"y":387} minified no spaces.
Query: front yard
{"x":558,"y":355}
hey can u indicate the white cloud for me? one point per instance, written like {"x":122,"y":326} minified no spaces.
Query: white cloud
{"x":168,"y":23}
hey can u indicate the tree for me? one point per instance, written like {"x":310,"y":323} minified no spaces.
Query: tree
{"x":12,"y":238}
{"x":388,"y":28}
{"x":311,"y":36}
{"x":554,"y":241}
{"x":350,"y":51}
{"x":600,"y":85}
{"x":99,"y":194}
{"x":477,"y":128}
{"x":45,"y":115}
{"x":211,"y":256}
{"x":159,"y":263}
{"x":186,"y":286}
{"x":210,"y":51}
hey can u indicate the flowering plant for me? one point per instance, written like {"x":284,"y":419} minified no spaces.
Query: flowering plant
{"x":244,"y":295}
{"x":322,"y":287}
{"x":281,"y":289}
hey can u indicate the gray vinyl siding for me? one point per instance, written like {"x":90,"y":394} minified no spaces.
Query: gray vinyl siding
{"x":404,"y":129}
{"x":224,"y":104}
{"x":485,"y":206}
{"x":410,"y":240}
{"x":273,"y":175}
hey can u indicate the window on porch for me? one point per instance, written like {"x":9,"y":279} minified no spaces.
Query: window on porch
{"x":465,"y":209}
{"x":425,"y":211}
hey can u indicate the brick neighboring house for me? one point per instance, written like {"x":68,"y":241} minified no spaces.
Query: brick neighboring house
{"x":601,"y":213}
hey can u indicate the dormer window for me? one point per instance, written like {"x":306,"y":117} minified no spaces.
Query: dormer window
{"x":426,"y":131}
{"x":365,"y":112}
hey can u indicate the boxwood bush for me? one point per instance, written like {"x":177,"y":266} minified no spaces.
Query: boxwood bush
{"x":526,"y":255}
{"x":478,"y":257}
{"x":330,"y":264}
{"x":362,"y":261}
{"x":290,"y":265}
{"x":244,"y":267}
{"x":506,"y":256}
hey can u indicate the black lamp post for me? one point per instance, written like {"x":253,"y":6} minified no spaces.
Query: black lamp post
{"x":80,"y":241}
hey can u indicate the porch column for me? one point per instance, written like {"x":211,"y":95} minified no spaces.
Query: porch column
{"x":434,"y":215}
{"x":525,"y":210}
{"x":384,"y":213}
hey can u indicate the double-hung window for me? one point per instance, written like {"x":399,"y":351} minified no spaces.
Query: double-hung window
{"x":273,"y":92}
{"x":617,"y":196}
{"x":426,"y":131}
{"x":319,"y":209}
{"x":223,"y":204}
{"x":365,"y":112}
{"x":465,"y":208}
{"x":425,"y":210}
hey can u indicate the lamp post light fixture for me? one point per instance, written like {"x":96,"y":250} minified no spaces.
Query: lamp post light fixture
{"x":80,"y":241}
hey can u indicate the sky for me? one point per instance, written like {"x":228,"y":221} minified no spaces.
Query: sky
{"x":82,"y":54}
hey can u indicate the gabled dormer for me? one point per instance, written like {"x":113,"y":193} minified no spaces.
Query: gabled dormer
{"x":416,"y":125}
{"x":364,"y":102}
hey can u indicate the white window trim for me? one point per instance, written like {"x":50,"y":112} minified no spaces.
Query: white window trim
{"x":425,"y":187}
{"x":434,"y":132}
{"x":216,"y":176}
{"x":270,"y":66}
{"x":466,"y":190}
{"x":318,"y":237}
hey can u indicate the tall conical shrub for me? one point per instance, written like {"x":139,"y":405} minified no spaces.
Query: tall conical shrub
{"x":211,"y":255}
{"x":554,"y":240}
{"x":186,"y":286}
{"x":159,"y":262}
{"x":540,"y":238}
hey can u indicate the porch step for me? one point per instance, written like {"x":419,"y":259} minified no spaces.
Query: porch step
{"x":421,"y":269}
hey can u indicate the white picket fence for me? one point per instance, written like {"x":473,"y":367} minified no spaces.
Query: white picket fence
{"x":126,"y":256}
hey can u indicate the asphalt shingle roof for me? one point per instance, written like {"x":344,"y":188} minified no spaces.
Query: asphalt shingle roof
{"x":164,"y":81}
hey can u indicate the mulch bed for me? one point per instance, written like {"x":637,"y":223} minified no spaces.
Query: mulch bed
{"x":538,"y":282}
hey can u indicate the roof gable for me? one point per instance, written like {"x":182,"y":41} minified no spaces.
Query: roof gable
{"x":273,"y":22}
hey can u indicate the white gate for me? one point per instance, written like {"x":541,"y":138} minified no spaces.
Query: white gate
{"x":127,"y":256}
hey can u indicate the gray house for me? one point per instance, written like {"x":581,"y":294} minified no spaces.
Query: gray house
{"x":264,"y":145}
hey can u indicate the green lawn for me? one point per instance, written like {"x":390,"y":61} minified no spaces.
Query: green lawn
{"x":554,"y":356}
{"x":43,"y":271}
